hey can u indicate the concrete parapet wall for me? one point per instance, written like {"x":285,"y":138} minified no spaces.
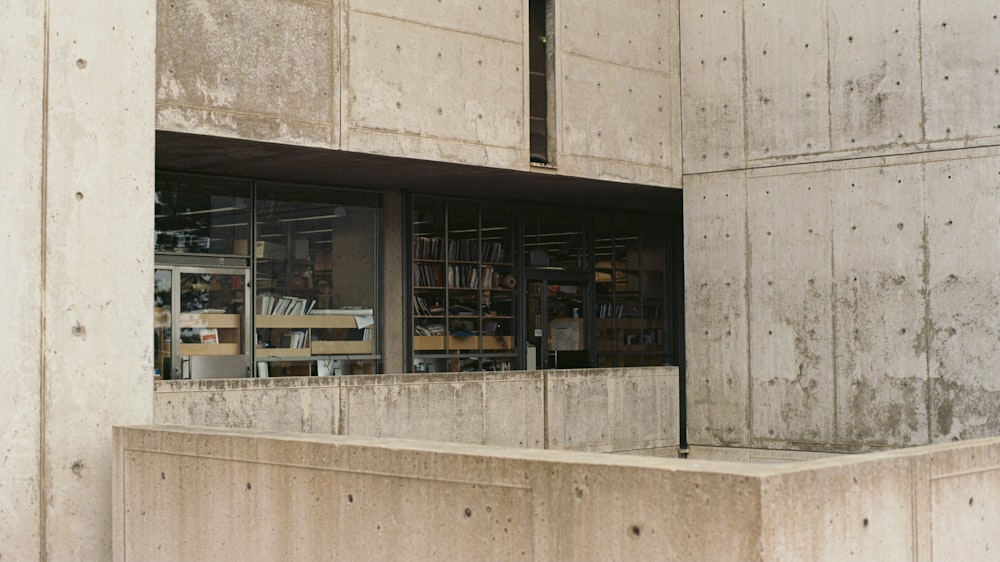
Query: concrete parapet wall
{"x":600,"y":410}
{"x":196,"y":493}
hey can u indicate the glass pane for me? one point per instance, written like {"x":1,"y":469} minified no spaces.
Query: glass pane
{"x":555,"y":237}
{"x":212,"y":310}
{"x":202,"y":215}
{"x":161,"y":323}
{"x":315,"y":257}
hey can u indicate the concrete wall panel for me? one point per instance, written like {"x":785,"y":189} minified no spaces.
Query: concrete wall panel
{"x":613,"y":411}
{"x":420,"y":91}
{"x":501,"y":19}
{"x":634,"y":33}
{"x":791,"y":332}
{"x":263,"y":70}
{"x":874,"y":73}
{"x":866,"y":513}
{"x":961,"y":69}
{"x":622,"y":410}
{"x":617,"y":87}
{"x":712,"y":60}
{"x":393,"y":499}
{"x":436,"y":408}
{"x":787,"y":93}
{"x":22,"y":40}
{"x":615,"y":113}
{"x":879,"y":305}
{"x":716,"y":318}
{"x":963,"y":203}
{"x":98,"y":274}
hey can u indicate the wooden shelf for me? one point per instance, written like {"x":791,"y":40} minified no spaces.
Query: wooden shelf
{"x":210,"y":349}
{"x":283,"y":352}
{"x":290,"y":321}
{"x":470,"y":343}
{"x":210,"y":320}
{"x":343,"y":348}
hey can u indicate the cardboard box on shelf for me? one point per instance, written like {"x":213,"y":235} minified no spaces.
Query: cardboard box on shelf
{"x":264,"y":250}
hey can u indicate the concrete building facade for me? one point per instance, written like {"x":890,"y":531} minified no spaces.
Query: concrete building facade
{"x":837,"y":160}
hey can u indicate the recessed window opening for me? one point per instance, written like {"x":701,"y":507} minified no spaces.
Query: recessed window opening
{"x":540,"y":55}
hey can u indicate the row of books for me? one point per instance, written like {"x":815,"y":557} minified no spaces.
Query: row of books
{"x":618,"y":311}
{"x":608,"y":310}
{"x":459,"y":276}
{"x":432,"y":248}
{"x":274,"y":304}
{"x":473,"y":277}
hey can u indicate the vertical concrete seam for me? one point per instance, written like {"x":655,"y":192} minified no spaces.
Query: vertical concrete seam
{"x":833,"y":309}
{"x":680,"y":88}
{"x":743,"y":73}
{"x":343,"y":35}
{"x":914,"y":524}
{"x":829,"y":80}
{"x":43,"y":278}
{"x":920,"y":70}
{"x":748,"y":286}
{"x":928,"y":325}
{"x":545,"y":409}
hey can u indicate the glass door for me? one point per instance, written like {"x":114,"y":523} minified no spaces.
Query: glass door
{"x":201,"y":323}
{"x":560,"y":329}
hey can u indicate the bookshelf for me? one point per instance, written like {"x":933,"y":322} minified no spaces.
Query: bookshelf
{"x":463,"y":286}
{"x":629,"y":316}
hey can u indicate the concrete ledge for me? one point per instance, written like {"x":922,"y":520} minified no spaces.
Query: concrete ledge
{"x":198,"y":493}
{"x":600,"y":410}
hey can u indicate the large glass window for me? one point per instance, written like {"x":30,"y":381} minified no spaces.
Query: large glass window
{"x":464,"y":286}
{"x":304,"y":257}
{"x":316,"y":287}
{"x":586,"y":288}
{"x":198,"y":215}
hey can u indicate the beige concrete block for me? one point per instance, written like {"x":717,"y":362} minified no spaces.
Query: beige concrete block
{"x":612,"y":409}
{"x":264,"y":70}
{"x":963,"y":242}
{"x":610,"y":112}
{"x":446,"y":407}
{"x":513,"y":405}
{"x":716,"y":318}
{"x":431,"y":92}
{"x":960,"y":61}
{"x":712,"y":88}
{"x":875,"y":88}
{"x":310,"y":405}
{"x":756,"y":456}
{"x":843,"y":510}
{"x":879,"y":305}
{"x":791,"y":329}
{"x":787,"y":91}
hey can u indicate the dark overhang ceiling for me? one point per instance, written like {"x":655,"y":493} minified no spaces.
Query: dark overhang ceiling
{"x":272,"y":161}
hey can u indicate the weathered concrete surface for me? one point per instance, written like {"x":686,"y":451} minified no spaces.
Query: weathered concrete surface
{"x":768,"y":83}
{"x":756,"y":456}
{"x":22,"y":83}
{"x":253,"y":70}
{"x":613,"y":410}
{"x":826,"y":131}
{"x":74,"y":241}
{"x":618,"y":90}
{"x":268,"y":496}
{"x":445,"y":81}
{"x":873,"y":298}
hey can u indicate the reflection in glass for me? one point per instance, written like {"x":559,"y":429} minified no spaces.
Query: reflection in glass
{"x":202,"y":215}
